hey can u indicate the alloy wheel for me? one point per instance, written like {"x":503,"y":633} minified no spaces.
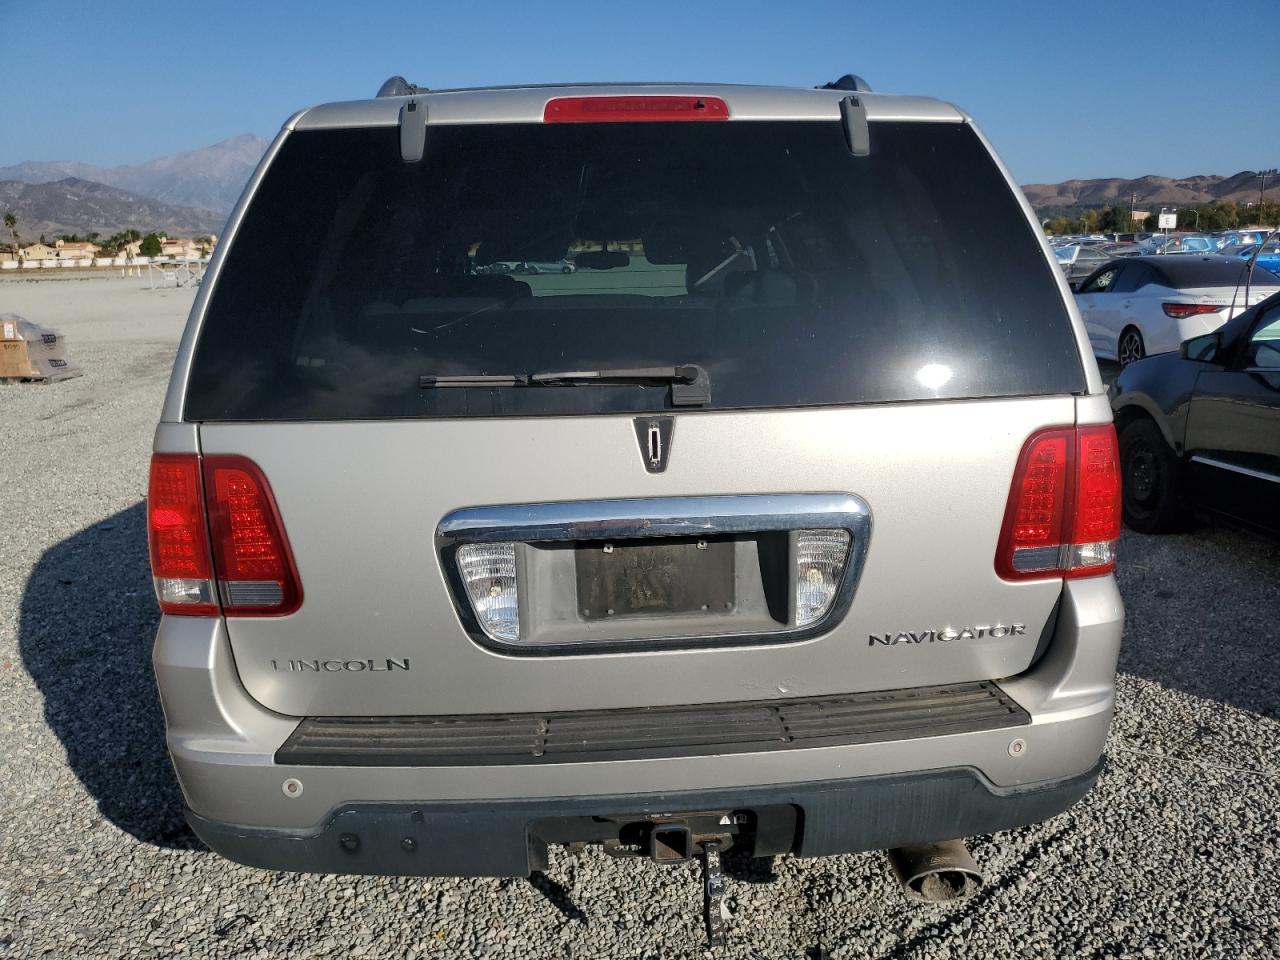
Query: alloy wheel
{"x":1130,"y":347}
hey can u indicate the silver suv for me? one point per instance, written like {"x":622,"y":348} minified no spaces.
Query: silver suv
{"x":783,"y":520}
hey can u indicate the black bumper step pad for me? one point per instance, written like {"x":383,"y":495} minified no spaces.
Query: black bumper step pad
{"x":650,"y":732}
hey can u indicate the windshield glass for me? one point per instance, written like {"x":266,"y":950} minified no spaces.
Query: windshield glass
{"x":793,"y":272}
{"x":1066,"y":254}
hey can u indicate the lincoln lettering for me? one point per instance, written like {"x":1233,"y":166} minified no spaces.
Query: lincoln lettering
{"x":340,"y":666}
{"x":947,"y":634}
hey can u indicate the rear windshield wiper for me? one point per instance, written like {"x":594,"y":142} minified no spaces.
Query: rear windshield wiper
{"x":690,"y":385}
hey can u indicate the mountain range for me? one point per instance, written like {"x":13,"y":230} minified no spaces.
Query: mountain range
{"x":72,"y":205}
{"x":210,"y":178}
{"x":1150,"y":190}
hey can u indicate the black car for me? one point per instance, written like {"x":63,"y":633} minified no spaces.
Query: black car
{"x":1200,"y":429}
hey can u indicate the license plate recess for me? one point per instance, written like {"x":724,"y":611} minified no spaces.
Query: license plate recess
{"x":655,"y":577}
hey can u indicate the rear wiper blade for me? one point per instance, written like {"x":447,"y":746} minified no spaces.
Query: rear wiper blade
{"x":686,"y":373}
{"x":475,"y":380}
{"x":690,"y":385}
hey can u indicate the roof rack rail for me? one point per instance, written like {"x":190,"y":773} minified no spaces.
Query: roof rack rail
{"x":399,"y":87}
{"x":850,"y":81}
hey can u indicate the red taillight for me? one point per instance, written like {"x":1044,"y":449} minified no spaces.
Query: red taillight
{"x":176,"y":537}
{"x":633,"y":109}
{"x":229,"y":498}
{"x":256,"y":575}
{"x":1063,"y":517}
{"x":1180,"y":310}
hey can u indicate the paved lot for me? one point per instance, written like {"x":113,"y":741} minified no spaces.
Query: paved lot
{"x":1175,"y":854}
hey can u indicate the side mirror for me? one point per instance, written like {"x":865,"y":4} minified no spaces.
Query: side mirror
{"x":1204,"y":348}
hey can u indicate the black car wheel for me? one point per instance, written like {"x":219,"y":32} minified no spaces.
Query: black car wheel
{"x":1131,"y":347}
{"x":1151,"y":477}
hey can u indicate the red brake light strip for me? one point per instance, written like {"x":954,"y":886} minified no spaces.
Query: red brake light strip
{"x":662,"y":109}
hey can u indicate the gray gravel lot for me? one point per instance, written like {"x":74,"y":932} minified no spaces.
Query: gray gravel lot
{"x":1176,"y":853}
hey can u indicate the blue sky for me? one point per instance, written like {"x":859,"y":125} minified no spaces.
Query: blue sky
{"x":1062,"y":90}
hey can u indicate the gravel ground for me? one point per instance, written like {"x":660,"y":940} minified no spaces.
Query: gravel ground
{"x":1174,"y":854}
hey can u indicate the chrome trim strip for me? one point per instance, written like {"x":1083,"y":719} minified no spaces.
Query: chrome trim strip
{"x":657,"y":517}
{"x":1236,"y":468}
{"x":652,"y":517}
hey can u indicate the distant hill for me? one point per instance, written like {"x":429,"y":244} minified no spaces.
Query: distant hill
{"x":72,"y":205}
{"x":1151,"y":190}
{"x":210,"y":178}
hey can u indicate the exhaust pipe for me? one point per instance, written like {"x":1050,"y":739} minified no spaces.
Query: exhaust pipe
{"x":936,"y":872}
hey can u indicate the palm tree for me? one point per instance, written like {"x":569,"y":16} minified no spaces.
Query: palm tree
{"x":11,"y":224}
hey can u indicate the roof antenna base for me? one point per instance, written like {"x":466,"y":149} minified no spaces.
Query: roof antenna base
{"x":850,"y":81}
{"x":399,"y":87}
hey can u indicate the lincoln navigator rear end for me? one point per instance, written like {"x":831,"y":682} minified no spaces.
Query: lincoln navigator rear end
{"x":681,"y":469}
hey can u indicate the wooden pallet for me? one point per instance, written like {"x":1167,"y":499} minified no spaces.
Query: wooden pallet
{"x":45,"y":380}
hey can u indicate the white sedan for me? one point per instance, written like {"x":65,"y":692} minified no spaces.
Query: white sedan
{"x":1144,"y":305}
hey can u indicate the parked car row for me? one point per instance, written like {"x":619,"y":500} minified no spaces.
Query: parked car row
{"x":1141,"y":305}
{"x":526,"y":267}
{"x":1078,"y":256}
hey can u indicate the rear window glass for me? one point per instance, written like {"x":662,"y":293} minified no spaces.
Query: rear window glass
{"x":791,"y":271}
{"x":1191,"y":271}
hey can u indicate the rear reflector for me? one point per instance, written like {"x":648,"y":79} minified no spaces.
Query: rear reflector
{"x":633,"y":109}
{"x":1063,"y":517}
{"x":176,"y":537}
{"x":1180,"y":310}
{"x":256,"y":575}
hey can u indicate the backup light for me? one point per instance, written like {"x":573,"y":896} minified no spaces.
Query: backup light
{"x":821,"y":556}
{"x":488,"y":571}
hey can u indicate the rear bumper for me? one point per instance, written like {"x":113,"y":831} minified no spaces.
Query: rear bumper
{"x":510,"y":837}
{"x":936,"y":783}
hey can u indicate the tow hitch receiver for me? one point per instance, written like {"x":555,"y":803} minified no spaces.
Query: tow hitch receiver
{"x":714,"y":909}
{"x":678,"y":837}
{"x":670,"y":842}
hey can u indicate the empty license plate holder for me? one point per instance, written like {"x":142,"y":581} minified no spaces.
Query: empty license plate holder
{"x":666,"y":576}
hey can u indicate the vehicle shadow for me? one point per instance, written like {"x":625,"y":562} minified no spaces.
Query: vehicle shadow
{"x":1200,"y":612}
{"x":85,"y":631}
